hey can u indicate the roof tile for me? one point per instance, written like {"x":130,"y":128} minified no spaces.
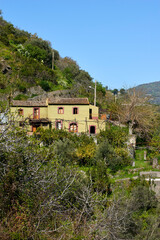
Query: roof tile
{"x":80,"y":101}
{"x":20,"y":103}
{"x":52,"y":101}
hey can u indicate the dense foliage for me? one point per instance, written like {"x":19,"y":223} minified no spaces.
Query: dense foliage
{"x":27,"y":60}
{"x":57,"y":185}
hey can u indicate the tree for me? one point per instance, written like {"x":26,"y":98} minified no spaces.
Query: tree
{"x":135,"y":110}
{"x":115,"y":91}
{"x":85,"y":153}
{"x":122,"y":91}
{"x":40,"y":50}
{"x":116,"y":136}
{"x":107,"y":154}
{"x":44,"y":195}
{"x":36,"y":188}
{"x":128,"y":214}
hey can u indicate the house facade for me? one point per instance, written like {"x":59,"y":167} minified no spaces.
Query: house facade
{"x":70,"y":114}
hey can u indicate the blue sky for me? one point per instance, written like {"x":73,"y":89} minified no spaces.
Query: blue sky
{"x":116,"y":41}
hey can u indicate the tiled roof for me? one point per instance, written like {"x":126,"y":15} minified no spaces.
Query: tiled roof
{"x":71,"y":101}
{"x":52,"y":101}
{"x":20,"y":103}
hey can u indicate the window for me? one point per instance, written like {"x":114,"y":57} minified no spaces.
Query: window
{"x":73,"y":127}
{"x":60,"y":110}
{"x":92,"y":129}
{"x":36,"y":114}
{"x":20,"y":112}
{"x":75,"y":110}
{"x":90,"y":113}
{"x":59,"y":124}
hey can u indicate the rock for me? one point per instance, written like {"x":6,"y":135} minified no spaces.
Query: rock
{"x":155,"y":163}
{"x":53,"y":94}
{"x":145,"y":155}
{"x":5,"y":68}
{"x":35,"y":90}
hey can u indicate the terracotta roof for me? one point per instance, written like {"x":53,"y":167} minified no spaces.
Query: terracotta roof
{"x":67,"y":101}
{"x":51,"y":101}
{"x":20,"y":103}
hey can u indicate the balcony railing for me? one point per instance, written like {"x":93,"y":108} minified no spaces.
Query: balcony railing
{"x":93,"y":116}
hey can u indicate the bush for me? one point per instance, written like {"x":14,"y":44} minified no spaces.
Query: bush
{"x":35,"y":52}
{"x":40,"y":50}
{"x":21,"y":97}
{"x":45,"y":86}
{"x":108,"y":155}
{"x":22,"y":88}
{"x":116,"y":136}
{"x":64,"y":151}
{"x":85,"y":154}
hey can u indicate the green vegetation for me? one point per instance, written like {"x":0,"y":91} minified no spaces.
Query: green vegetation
{"x":59,"y":185}
{"x":26,"y":61}
{"x":21,"y":97}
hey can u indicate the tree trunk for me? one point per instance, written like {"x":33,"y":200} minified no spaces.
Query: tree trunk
{"x":130,"y":128}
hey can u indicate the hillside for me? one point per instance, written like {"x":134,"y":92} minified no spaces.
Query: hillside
{"x":58,"y":183}
{"x":152,"y":89}
{"x":29,"y":66}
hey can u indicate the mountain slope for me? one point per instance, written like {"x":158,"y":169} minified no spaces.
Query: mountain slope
{"x":27,"y":61}
{"x":152,"y":89}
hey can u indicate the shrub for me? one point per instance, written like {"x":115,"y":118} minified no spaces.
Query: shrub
{"x":45,"y":85}
{"x":22,"y":88}
{"x":21,"y":97}
{"x":64,"y":151}
{"x":116,"y":136}
{"x":85,"y":154}
{"x":108,"y":155}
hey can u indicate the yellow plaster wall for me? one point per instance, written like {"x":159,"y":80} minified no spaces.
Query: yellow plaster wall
{"x":82,"y":118}
{"x":68,"y":117}
{"x":28,"y":111}
{"x":95,"y":111}
{"x":83,"y":112}
{"x":51,"y":112}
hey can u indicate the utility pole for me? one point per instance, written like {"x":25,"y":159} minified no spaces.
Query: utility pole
{"x":52,"y":59}
{"x":95,"y":94}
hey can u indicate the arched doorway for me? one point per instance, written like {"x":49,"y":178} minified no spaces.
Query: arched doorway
{"x":73,"y":127}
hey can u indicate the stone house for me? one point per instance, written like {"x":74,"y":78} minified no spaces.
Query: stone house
{"x":71,"y":114}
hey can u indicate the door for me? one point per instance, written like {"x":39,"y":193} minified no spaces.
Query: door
{"x":34,"y":129}
{"x":92,"y":129}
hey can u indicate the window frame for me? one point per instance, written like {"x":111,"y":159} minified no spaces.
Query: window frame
{"x":90,"y":113}
{"x":60,"y":108}
{"x":36,"y":108}
{"x":73,"y":108}
{"x":75,"y":124}
{"x":58,"y":121}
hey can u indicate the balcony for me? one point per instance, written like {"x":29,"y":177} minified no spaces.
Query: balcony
{"x":93,"y":116}
{"x":39,"y":121}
